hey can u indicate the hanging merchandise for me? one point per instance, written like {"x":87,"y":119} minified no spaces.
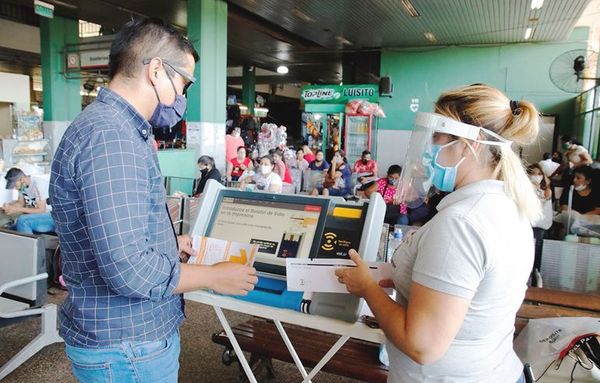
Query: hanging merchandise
{"x":270,"y":137}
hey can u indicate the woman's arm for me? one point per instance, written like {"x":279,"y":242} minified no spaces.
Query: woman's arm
{"x":229,"y":170}
{"x":584,"y":159}
{"x":425,"y":329}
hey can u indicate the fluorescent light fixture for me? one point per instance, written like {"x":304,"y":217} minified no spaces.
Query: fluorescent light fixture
{"x":430,"y":36}
{"x":536,"y":4}
{"x":302,"y":16}
{"x":343,"y":40}
{"x":282,"y":69}
{"x":528,"y":33}
{"x":410,"y":9}
{"x":261,"y":112}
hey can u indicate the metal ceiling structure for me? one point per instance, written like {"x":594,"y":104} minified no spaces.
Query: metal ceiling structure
{"x":311,"y":36}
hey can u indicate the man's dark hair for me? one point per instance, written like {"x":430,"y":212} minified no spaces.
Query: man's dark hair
{"x":394,"y":169}
{"x":547,"y":156}
{"x":207,"y":161}
{"x":146,"y":38}
{"x":587,"y":172}
{"x":365,"y":152}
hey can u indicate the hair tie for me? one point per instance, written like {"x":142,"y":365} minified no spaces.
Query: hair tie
{"x":514,"y":108}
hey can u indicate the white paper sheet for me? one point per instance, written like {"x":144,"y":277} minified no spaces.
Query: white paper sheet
{"x":318,"y":275}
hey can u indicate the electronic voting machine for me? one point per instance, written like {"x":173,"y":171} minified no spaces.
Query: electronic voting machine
{"x":298,"y":226}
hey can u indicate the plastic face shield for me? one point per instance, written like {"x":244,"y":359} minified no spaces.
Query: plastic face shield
{"x":418,"y":170}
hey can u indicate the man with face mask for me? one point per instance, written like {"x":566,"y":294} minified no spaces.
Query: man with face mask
{"x":121,"y":258}
{"x":30,"y":210}
{"x":365,"y":166}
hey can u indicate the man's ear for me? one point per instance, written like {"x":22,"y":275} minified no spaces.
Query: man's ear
{"x":152,"y":70}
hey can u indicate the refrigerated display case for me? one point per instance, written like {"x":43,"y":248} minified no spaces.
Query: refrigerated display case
{"x":357,"y":137}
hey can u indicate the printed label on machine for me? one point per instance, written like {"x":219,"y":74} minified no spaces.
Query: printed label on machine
{"x":318,"y":275}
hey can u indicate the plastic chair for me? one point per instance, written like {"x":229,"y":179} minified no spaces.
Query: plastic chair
{"x":11,"y":309}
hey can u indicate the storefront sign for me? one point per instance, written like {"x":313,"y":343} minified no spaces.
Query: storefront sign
{"x":94,"y":59}
{"x":339,"y":94}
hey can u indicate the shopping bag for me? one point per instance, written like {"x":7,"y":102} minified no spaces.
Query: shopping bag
{"x":561,"y":349}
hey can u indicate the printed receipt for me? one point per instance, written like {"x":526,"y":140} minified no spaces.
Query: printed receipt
{"x":209,"y":251}
{"x":318,"y":275}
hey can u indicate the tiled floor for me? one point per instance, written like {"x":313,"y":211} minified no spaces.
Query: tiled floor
{"x":200,"y":358}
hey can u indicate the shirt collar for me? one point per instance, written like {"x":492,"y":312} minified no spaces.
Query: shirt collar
{"x":474,"y":189}
{"x":133,"y":117}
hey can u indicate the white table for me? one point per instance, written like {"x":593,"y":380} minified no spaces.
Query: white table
{"x":344,"y":329}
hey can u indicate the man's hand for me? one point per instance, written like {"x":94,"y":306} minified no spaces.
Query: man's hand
{"x":233,"y":278}
{"x":358,"y":280}
{"x":184,"y":242}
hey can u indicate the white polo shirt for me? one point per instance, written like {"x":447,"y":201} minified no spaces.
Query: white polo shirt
{"x":478,"y":247}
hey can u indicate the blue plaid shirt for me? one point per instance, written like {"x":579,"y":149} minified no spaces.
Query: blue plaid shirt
{"x":119,"y":252}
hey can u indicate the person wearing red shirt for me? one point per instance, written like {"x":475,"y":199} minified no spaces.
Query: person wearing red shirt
{"x":366,"y":166}
{"x":281,"y":168}
{"x":237,"y":166}
{"x":309,"y":156}
{"x":233,"y":141}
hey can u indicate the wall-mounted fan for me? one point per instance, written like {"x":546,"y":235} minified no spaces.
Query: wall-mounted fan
{"x":570,"y":70}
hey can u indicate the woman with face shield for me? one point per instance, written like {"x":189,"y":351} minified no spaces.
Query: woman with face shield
{"x":460,"y":278}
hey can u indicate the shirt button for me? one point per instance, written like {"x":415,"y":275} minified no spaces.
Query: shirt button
{"x":144,"y":131}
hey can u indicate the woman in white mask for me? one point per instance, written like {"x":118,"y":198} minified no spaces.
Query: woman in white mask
{"x":460,"y":278}
{"x":265,"y":178}
{"x":541,"y":186}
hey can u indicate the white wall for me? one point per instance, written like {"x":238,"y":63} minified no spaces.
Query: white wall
{"x":392,"y":146}
{"x":19,"y":36}
{"x":14,"y":88}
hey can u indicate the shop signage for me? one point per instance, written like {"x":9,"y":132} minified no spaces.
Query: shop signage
{"x":339,"y":94}
{"x":43,"y":9}
{"x":94,"y":59}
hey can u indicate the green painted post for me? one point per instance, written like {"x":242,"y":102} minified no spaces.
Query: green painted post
{"x":61,"y":97}
{"x":249,"y":87}
{"x":62,"y":100}
{"x":207,"y":30}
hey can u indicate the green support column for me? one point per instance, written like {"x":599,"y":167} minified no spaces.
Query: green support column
{"x":249,"y":87}
{"x":207,"y":30}
{"x":61,"y":97}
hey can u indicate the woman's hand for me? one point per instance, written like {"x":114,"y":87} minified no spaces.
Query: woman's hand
{"x":358,"y":280}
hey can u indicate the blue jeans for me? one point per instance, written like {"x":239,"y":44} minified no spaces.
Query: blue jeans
{"x":41,"y":223}
{"x":130,"y":362}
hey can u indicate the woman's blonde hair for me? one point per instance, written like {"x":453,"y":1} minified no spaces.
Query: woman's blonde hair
{"x":516,"y":121}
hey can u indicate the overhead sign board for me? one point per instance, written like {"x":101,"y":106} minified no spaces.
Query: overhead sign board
{"x":94,"y":59}
{"x":43,"y":9}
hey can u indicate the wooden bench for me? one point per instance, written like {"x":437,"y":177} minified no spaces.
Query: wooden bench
{"x":358,"y":359}
{"x":547,"y":303}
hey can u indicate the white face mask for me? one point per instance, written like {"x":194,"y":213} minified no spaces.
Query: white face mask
{"x":536,"y":179}
{"x":265,"y":169}
{"x":580,"y":187}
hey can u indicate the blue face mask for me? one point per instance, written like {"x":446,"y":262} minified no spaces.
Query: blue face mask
{"x":442,"y":177}
{"x":167,"y":116}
